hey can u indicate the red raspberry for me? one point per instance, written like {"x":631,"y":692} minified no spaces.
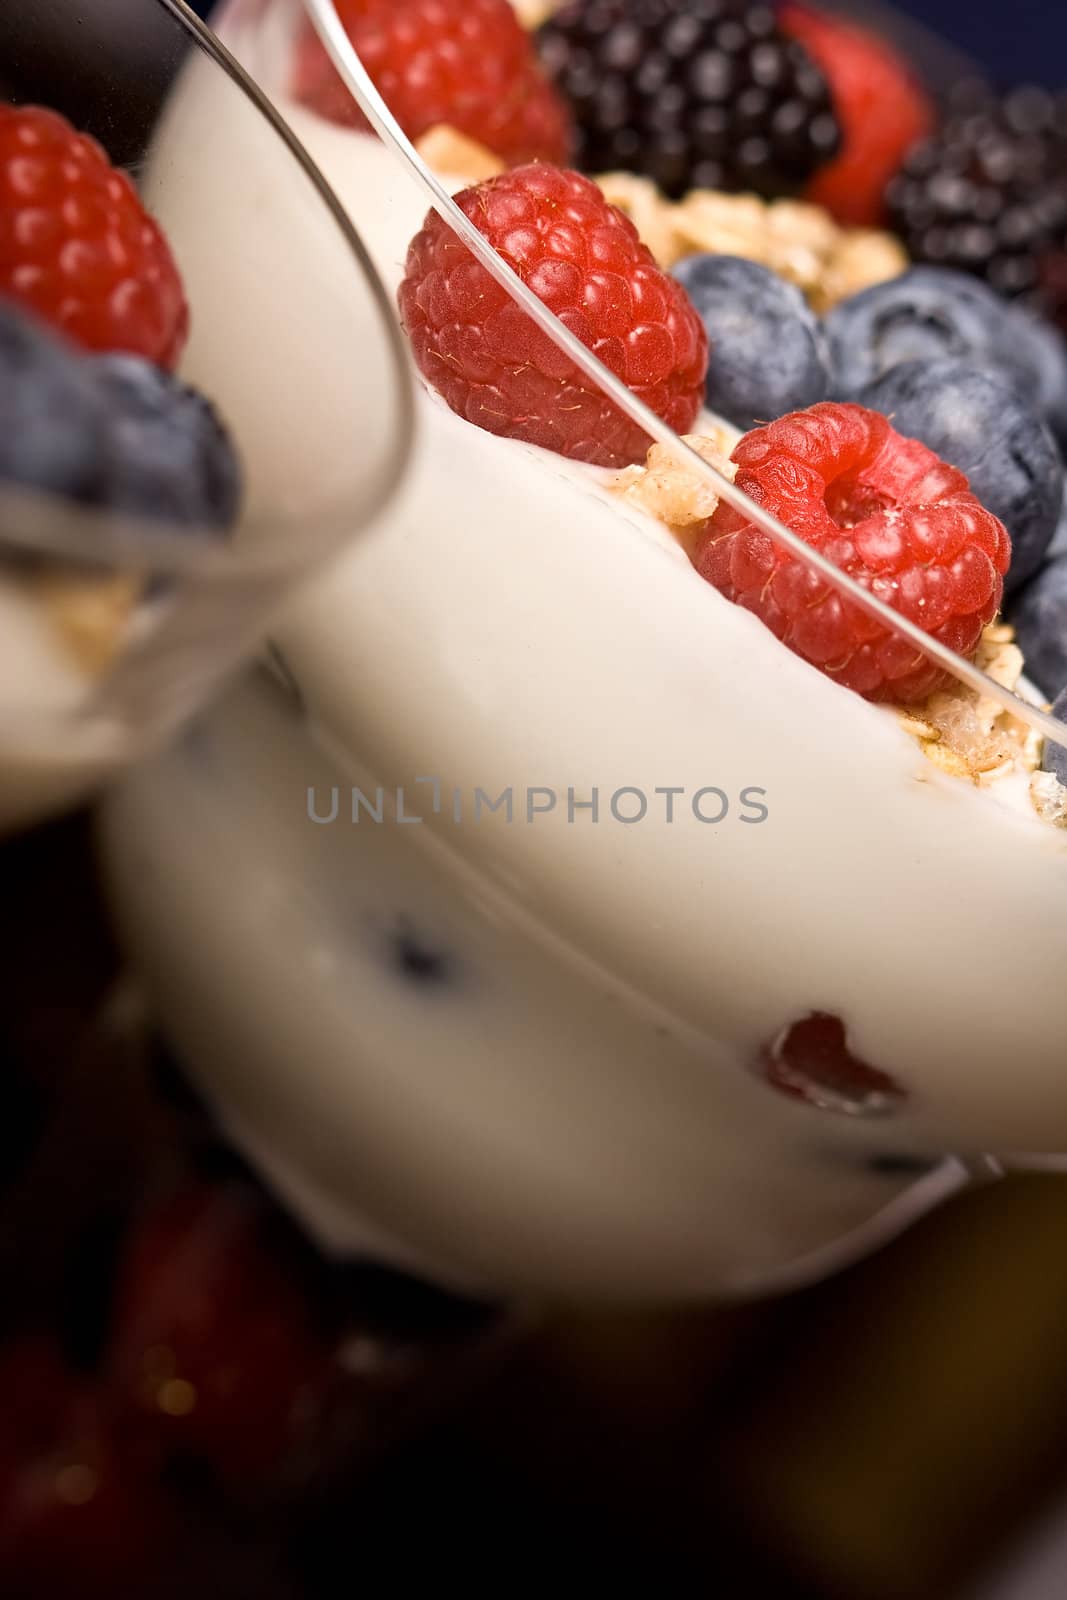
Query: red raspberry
{"x":882,"y":110}
{"x":888,"y":512}
{"x":583,"y":258}
{"x":811,"y":1061}
{"x":77,"y":246}
{"x":465,"y":62}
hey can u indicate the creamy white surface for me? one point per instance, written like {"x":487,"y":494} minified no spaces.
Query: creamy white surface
{"x":510,"y":624}
{"x":521,"y":1124}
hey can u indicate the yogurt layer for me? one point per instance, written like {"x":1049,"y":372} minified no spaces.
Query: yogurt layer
{"x":584,"y":1105}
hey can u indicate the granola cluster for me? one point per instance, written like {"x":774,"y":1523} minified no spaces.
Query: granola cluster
{"x":448,"y":151}
{"x":532,"y":13}
{"x":91,"y":616}
{"x":1049,"y":798}
{"x":671,"y":491}
{"x":800,"y":242}
{"x":973,"y":736}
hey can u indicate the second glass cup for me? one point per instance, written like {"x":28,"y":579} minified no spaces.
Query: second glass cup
{"x":118,"y":625}
{"x":582,"y":937}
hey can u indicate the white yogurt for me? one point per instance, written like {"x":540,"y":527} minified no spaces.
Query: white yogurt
{"x":424,"y":1077}
{"x":576,"y":1104}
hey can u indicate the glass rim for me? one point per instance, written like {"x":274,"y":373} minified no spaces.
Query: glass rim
{"x":357,"y":80}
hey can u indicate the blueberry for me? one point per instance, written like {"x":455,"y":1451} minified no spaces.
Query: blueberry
{"x":1038,"y":353}
{"x":767,"y":351}
{"x":1056,"y":754}
{"x":416,"y":958}
{"x":925,"y":314}
{"x":110,"y":431}
{"x":168,"y":456}
{"x":1039,"y":614}
{"x":52,"y":428}
{"x":976,"y":421}
{"x":931,"y":313}
{"x":1058,"y":546}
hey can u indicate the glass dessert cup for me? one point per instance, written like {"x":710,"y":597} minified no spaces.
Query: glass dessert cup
{"x":533,"y":1048}
{"x":117,"y":627}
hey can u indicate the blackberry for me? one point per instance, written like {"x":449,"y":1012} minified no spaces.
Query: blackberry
{"x":988,"y":194}
{"x":691,"y":93}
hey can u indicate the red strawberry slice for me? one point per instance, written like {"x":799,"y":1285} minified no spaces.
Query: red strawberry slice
{"x":811,"y":1061}
{"x":880,"y":105}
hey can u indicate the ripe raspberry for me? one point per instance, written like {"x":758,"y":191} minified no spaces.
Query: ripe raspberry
{"x":468,"y":63}
{"x":77,"y":246}
{"x":882,"y":110}
{"x":583,"y":258}
{"x":888,"y":512}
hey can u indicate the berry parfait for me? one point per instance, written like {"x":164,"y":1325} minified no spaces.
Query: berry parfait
{"x":160,"y":498}
{"x":646,"y":855}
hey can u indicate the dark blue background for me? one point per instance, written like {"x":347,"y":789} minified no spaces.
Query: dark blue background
{"x":1013,"y":39}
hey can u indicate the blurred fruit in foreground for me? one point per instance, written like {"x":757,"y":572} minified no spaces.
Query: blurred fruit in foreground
{"x":988,"y":193}
{"x":77,"y":1514}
